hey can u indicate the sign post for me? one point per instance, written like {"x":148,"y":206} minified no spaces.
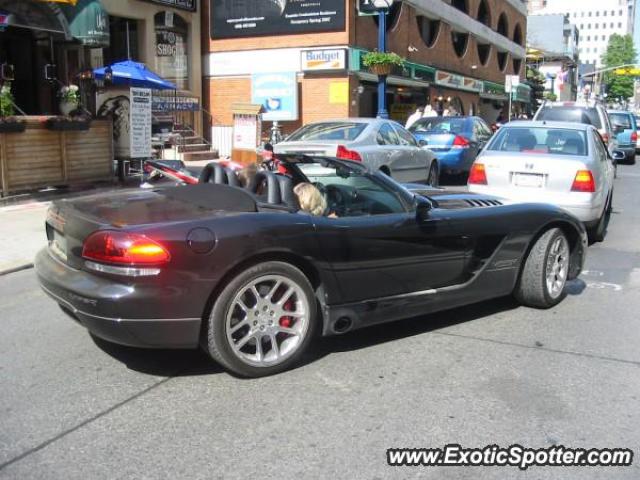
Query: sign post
{"x":511,"y":83}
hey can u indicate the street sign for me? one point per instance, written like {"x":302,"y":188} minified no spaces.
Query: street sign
{"x":634,"y":72}
{"x":511,"y":82}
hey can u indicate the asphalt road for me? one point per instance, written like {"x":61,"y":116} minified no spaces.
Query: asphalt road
{"x":493,"y":373}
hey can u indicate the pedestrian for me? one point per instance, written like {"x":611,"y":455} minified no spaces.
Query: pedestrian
{"x":415,"y":116}
{"x":429,"y":112}
{"x":446,"y":113}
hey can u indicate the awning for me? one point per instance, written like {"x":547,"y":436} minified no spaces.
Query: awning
{"x":393,"y":80}
{"x":35,"y":15}
{"x":88,"y":22}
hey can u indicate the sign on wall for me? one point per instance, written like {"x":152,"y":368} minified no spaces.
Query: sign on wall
{"x":245,"y":132}
{"x":140,"y":122}
{"x":234,"y":18}
{"x":324,"y":59}
{"x":277,"y":93}
{"x":459,"y":82}
{"x":190,"y":5}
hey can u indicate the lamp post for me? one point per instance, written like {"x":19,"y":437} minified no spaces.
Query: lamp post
{"x":382,"y":6}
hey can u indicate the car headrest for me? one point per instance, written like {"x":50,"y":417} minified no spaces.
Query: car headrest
{"x":527,"y":141}
{"x":287,"y":196}
{"x":572,"y":146}
{"x":265,"y":178}
{"x":219,"y":174}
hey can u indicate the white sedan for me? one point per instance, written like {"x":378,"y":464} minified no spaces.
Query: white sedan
{"x":378,"y":143}
{"x":565,"y":164}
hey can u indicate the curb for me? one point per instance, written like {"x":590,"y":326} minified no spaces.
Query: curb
{"x":20,"y":268}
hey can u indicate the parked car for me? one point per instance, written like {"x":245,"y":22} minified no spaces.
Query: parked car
{"x":564,"y":164}
{"x":590,"y":113}
{"x":378,"y":143}
{"x":455,"y":141}
{"x":251,"y":278}
{"x":625,"y":130}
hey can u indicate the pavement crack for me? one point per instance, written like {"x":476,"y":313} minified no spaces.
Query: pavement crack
{"x":545,"y":349}
{"x":84,"y":423}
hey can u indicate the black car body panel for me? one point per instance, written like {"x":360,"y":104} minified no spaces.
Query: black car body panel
{"x":463,"y":248}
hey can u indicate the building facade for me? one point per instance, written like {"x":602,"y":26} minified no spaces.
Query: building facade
{"x":596,"y":20}
{"x":457,"y":53}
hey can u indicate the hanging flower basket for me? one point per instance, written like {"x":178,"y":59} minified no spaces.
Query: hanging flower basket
{"x":11,"y":125}
{"x":381,"y":63}
{"x":68,"y":124}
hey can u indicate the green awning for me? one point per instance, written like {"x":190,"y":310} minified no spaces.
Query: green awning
{"x":88,"y":22}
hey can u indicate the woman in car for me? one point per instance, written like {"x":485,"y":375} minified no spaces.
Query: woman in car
{"x":311,"y":200}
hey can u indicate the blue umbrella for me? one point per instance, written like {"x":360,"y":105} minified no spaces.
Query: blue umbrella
{"x":133,"y":74}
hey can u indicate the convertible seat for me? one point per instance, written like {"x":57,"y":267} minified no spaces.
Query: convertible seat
{"x":216,"y":173}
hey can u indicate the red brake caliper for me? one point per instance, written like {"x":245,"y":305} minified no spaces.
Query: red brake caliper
{"x":286,"y":322}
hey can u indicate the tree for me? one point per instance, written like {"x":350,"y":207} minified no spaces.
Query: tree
{"x":536,"y":82}
{"x":619,"y":52}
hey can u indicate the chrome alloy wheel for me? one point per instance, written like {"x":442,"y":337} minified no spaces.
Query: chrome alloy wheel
{"x":267,"y":321}
{"x":557,"y":267}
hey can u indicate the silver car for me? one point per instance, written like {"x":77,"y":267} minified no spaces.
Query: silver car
{"x":380,"y":144}
{"x":566,"y":164}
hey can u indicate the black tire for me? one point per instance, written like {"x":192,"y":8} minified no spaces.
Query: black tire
{"x":532,"y":289}
{"x":433,"y":178}
{"x":599,"y":232}
{"x":218,"y":345}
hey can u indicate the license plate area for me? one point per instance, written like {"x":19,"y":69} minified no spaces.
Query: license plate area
{"x":530,"y":180}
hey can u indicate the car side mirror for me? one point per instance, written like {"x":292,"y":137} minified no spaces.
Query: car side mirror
{"x":618,"y":155}
{"x":423,"y":207}
{"x":423,"y":143}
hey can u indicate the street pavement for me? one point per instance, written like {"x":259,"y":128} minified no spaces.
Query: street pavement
{"x":493,"y":373}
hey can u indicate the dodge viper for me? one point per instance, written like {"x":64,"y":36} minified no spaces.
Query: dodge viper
{"x":250,"y":277}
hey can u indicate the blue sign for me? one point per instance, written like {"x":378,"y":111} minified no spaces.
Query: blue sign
{"x":278,"y":93}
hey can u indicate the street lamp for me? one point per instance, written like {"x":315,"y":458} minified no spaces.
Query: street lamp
{"x":382,"y":6}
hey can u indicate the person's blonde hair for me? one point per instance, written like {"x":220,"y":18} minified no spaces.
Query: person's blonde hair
{"x":310,"y":199}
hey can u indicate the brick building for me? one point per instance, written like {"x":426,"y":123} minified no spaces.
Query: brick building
{"x":457,"y":55}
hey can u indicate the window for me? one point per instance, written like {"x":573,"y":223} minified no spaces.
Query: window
{"x":597,"y":14}
{"x":595,"y":25}
{"x":428,"y":29}
{"x":604,"y":14}
{"x":622,"y":119}
{"x":460,"y":41}
{"x":588,"y":38}
{"x":582,"y":26}
{"x":353,"y":194}
{"x":172,"y":60}
{"x":600,"y":147}
{"x":619,"y":24}
{"x":587,"y":115}
{"x":589,"y":13}
{"x":541,"y":140}
{"x":405,"y":137}
{"x":329,"y":131}
{"x":440,"y":125}
{"x":387,"y":136}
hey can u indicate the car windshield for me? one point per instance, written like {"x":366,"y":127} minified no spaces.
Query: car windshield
{"x":587,"y":115}
{"x":540,"y":140}
{"x":439,"y":125}
{"x":622,"y":119}
{"x":332,"y":131}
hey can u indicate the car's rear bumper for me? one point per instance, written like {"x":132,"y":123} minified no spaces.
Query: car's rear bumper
{"x":454,"y":162}
{"x":629,"y":150}
{"x":85,"y":297}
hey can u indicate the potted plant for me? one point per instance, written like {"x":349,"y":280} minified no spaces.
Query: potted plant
{"x":9,"y":123}
{"x":66,"y":123}
{"x":69,"y":99}
{"x":381,"y":63}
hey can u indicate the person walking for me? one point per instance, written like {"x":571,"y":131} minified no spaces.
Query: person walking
{"x":415,"y":116}
{"x":429,"y":112}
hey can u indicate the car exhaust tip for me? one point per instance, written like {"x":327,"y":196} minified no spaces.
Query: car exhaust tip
{"x":342,"y":325}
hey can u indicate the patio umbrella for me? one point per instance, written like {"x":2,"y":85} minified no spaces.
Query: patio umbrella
{"x":133,"y":74}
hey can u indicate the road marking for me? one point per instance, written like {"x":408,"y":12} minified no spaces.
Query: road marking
{"x":592,"y":273}
{"x":605,"y":286}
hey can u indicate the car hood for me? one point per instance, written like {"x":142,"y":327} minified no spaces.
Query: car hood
{"x":449,"y":199}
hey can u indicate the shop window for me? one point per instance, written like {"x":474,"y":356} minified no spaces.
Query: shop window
{"x":484,"y":51}
{"x":429,"y":30}
{"x":517,"y":65}
{"x":172,"y":58}
{"x":502,"y":60}
{"x":460,"y":5}
{"x":503,"y":25}
{"x":460,"y":41}
{"x":484,"y":15}
{"x":392,"y":16}
{"x":517,"y":35}
{"x":124,"y":40}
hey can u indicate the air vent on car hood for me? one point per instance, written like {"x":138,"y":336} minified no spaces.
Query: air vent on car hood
{"x":456,"y":203}
{"x":480,"y":202}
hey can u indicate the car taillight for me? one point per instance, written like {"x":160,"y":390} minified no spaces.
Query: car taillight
{"x":634,"y":136}
{"x":584,"y":182}
{"x":477,"y":175}
{"x":345,"y":154}
{"x":120,"y":248}
{"x":460,"y":142}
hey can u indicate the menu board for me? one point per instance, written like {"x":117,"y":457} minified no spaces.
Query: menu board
{"x":140,"y":121}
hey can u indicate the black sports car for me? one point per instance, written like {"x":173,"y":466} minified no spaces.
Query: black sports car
{"x":247,"y":275}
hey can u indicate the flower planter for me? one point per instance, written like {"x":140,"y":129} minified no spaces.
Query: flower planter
{"x":381,"y":68}
{"x":58,"y":125}
{"x":12,"y":127}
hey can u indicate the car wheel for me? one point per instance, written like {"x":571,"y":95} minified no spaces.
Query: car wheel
{"x":599,"y":232}
{"x":545,"y":271}
{"x":263,"y":320}
{"x":433,"y":178}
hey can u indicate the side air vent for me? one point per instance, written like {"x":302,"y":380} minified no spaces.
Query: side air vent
{"x":483,"y":202}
